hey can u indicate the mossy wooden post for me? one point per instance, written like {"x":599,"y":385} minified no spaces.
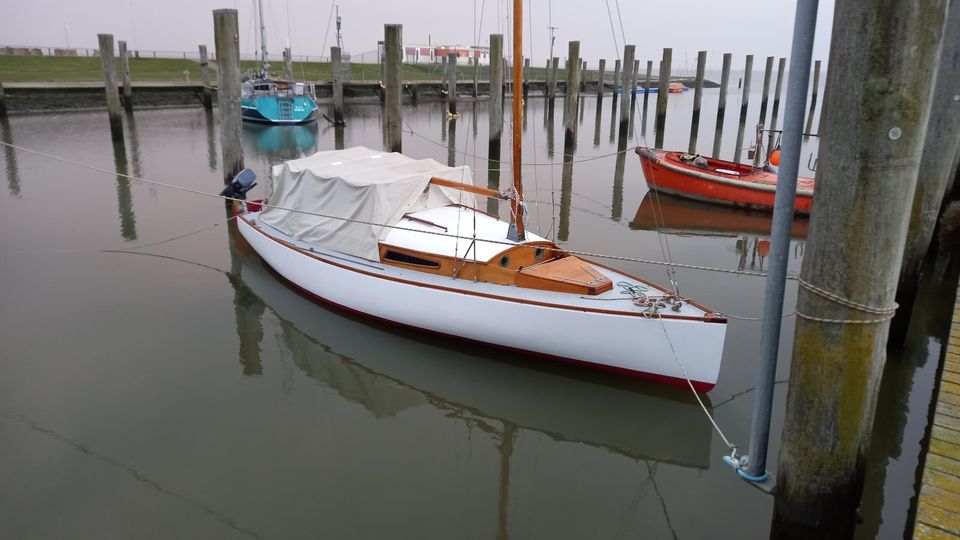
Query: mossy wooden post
{"x":600,"y":84}
{"x":616,"y":81}
{"x":941,"y":148}
{"x":336,"y":74}
{"x":722,"y":103}
{"x":663,"y":91}
{"x":697,"y":97}
{"x":767,"y":72}
{"x":744,"y":106}
{"x":108,"y":65}
{"x":452,"y":83}
{"x":633,"y":87}
{"x":646,"y":97}
{"x":392,"y":49}
{"x":125,"y":71}
{"x":496,"y":94}
{"x":207,"y":96}
{"x":628,"y":54}
{"x":526,"y":78}
{"x":869,"y":160}
{"x":3,"y":102}
{"x":571,"y":100}
{"x":226,"y":37}
{"x":781,"y":69}
{"x":552,"y":84}
{"x":287,"y":64}
{"x":814,"y":90}
{"x":583,"y":76}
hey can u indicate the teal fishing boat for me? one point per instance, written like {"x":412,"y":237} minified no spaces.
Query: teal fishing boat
{"x":267,"y":100}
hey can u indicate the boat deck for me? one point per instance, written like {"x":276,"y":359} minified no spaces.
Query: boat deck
{"x":616,"y":300}
{"x":938,"y":508}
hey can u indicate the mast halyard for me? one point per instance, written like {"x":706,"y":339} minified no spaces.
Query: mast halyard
{"x":264,"y":66}
{"x":516,"y":232}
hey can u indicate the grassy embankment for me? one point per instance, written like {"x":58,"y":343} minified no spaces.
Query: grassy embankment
{"x":85,"y":69}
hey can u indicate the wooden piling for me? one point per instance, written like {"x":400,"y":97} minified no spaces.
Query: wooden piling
{"x":938,"y":165}
{"x":663,"y":91}
{"x":781,"y":69}
{"x":697,"y":97}
{"x":814,"y":90}
{"x":767,"y":72}
{"x":646,"y":97}
{"x":600,"y":83}
{"x":496,"y":91}
{"x":628,"y":54}
{"x":616,"y":80}
{"x":476,"y":76}
{"x":552,"y":85}
{"x":226,"y":45}
{"x":3,"y":102}
{"x":392,"y":51}
{"x":109,"y":67}
{"x":336,"y":74}
{"x":526,"y":80}
{"x":572,"y":98}
{"x":583,"y":76}
{"x":868,"y":165}
{"x":633,"y":86}
{"x":287,"y":64}
{"x":722,"y":104}
{"x":452,"y":83}
{"x":207,"y":95}
{"x":744,"y":105}
{"x":127,"y":98}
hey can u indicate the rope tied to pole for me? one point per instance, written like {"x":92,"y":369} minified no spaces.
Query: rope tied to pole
{"x":886,"y":313}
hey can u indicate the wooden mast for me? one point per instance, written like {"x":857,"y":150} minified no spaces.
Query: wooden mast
{"x":516,"y":206}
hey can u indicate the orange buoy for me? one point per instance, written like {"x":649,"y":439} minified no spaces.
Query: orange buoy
{"x":775,"y":157}
{"x":763,"y":248}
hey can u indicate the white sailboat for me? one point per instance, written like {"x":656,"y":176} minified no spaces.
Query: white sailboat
{"x":401,"y":240}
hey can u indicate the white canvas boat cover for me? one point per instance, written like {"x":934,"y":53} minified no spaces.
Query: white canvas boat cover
{"x":356,"y":191}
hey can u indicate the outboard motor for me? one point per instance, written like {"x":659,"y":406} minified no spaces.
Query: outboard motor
{"x":241,"y":184}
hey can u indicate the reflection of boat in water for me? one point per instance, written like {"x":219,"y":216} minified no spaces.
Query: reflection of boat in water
{"x":284,"y":141}
{"x":677,"y":88}
{"x":717,"y":181}
{"x":659,"y":211}
{"x":388,"y":371}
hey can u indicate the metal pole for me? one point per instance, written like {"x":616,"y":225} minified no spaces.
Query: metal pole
{"x":805,"y":24}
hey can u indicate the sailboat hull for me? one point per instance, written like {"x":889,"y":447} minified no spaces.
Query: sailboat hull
{"x":500,"y":316}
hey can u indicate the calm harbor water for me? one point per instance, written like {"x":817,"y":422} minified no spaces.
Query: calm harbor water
{"x":178,"y":389}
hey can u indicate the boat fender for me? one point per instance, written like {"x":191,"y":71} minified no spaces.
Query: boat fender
{"x":775,"y":157}
{"x":241,"y":184}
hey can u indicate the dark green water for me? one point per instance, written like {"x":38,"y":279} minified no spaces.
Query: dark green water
{"x":182,"y":391}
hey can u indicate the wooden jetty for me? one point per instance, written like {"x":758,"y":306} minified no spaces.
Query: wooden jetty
{"x":938,"y":508}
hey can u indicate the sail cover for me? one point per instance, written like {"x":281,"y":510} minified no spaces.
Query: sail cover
{"x":341,"y":199}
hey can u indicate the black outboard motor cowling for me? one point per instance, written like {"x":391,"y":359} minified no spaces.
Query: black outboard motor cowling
{"x":241,"y":184}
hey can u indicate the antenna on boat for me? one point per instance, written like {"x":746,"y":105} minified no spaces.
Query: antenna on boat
{"x":516,"y":232}
{"x":264,"y":66}
{"x":339,"y":35}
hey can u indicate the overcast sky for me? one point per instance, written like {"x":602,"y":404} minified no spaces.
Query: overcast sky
{"x":760,"y":27}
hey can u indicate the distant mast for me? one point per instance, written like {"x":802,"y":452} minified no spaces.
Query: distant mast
{"x":264,"y":66}
{"x":517,"y":203}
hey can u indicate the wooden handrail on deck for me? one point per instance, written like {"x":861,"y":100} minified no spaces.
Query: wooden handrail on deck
{"x":487,"y":192}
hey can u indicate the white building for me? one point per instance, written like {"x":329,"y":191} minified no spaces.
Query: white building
{"x":431,"y":54}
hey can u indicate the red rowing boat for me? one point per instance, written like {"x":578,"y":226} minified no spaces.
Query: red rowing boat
{"x":717,"y":181}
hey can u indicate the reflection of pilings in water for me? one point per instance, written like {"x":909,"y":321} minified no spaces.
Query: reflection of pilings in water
{"x":617,"y":206}
{"x":583,"y":105}
{"x":633,"y":113}
{"x":338,"y":137}
{"x":566,"y":189}
{"x":524,"y":115}
{"x":549,"y":126}
{"x":452,"y":143}
{"x":128,"y":222}
{"x":248,"y":309}
{"x":493,"y":176}
{"x":211,"y":140}
{"x":473,"y":119}
{"x":742,"y":246}
{"x":10,"y":156}
{"x":596,"y":125}
{"x":443,"y":127}
{"x":503,"y":501}
{"x":134,"y":145}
